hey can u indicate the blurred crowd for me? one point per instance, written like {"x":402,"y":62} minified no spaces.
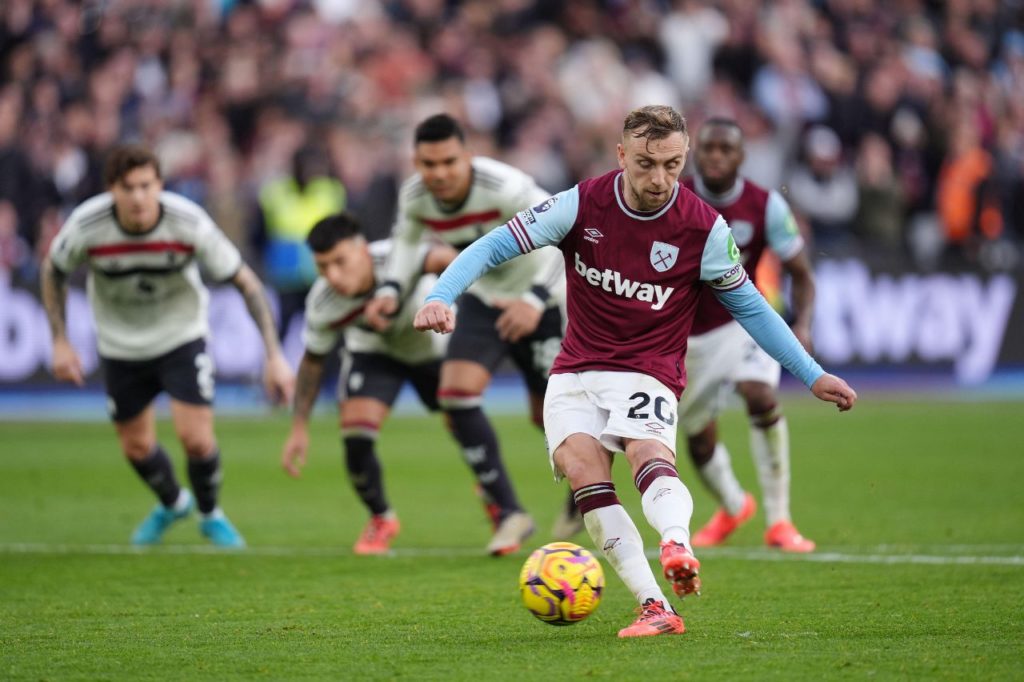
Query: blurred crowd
{"x":894,"y":128}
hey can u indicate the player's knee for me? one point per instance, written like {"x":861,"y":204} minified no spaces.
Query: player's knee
{"x":760,"y":398}
{"x":137,"y":447}
{"x":197,"y":445}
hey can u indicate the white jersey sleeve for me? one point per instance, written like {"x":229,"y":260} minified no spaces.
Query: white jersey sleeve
{"x":720,"y":265}
{"x":216,"y":254}
{"x":69,"y":249}
{"x":406,"y":236}
{"x":780,"y":226}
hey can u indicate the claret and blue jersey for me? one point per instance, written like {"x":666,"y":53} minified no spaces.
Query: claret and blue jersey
{"x":633,"y":279}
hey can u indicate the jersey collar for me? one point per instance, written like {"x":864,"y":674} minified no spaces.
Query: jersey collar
{"x":643,"y":215}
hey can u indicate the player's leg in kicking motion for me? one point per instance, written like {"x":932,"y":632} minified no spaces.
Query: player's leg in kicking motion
{"x":361,"y":419}
{"x":769,"y":446}
{"x":461,"y":396}
{"x":137,"y":435}
{"x":194,"y":426}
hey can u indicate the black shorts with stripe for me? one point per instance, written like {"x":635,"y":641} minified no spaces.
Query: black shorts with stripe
{"x":185,"y":373}
{"x":476,"y":339}
{"x":378,"y":376}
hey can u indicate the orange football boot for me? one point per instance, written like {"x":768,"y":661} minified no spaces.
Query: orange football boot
{"x":722,"y":525}
{"x":784,"y":535}
{"x":377,"y":535}
{"x":681,"y":568}
{"x":655,"y":619}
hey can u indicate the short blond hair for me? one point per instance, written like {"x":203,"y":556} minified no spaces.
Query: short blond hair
{"x":654,"y":122}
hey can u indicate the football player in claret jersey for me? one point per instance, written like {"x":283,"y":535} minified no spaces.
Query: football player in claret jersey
{"x":722,"y":355}
{"x":639,"y":249}
{"x":376,"y":364}
{"x":513,"y":311}
{"x":143,"y":247}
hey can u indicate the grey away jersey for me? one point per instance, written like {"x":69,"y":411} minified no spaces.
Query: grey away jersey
{"x":329,"y":314}
{"x":498,"y":192}
{"x":145,"y":289}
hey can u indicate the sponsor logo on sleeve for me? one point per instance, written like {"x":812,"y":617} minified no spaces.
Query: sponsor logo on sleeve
{"x":542,"y":207}
{"x":734,"y":276}
{"x":734,"y":251}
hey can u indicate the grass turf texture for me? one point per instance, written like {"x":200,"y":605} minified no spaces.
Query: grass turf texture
{"x":935,"y":479}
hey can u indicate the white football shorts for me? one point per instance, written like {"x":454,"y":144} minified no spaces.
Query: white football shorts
{"x":715,"y":362}
{"x":609,"y":406}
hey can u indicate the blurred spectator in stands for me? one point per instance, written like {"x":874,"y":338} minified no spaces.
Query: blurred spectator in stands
{"x":966,"y":198}
{"x":15,"y":254}
{"x":823,"y":189}
{"x":289,"y":208}
{"x":880,"y":207}
{"x":689,"y":35}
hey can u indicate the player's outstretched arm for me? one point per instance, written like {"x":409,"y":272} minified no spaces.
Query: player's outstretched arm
{"x":278,"y":379}
{"x":771,"y":332}
{"x":66,"y":364}
{"x":307,"y":386}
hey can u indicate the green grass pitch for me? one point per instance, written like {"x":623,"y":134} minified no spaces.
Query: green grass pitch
{"x":918,"y":510}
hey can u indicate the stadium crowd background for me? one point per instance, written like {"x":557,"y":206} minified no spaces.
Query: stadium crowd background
{"x":892,"y":127}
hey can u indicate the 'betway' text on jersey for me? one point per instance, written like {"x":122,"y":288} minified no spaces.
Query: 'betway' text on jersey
{"x":616,"y":283}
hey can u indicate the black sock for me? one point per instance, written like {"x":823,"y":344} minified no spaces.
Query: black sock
{"x":364,"y":472}
{"x":157,"y":473}
{"x":205,"y":476}
{"x":480,"y":449}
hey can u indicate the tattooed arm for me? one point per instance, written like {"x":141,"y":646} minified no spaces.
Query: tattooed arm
{"x":66,"y":364}
{"x":311,"y":371}
{"x":277,"y":375}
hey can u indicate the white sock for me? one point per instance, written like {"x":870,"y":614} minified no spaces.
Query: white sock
{"x":184,"y":497}
{"x":770,"y":448}
{"x":668,"y":507}
{"x":615,"y":534}
{"x":720,"y":479}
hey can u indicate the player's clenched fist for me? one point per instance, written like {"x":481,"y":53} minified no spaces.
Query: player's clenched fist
{"x":435,"y":316}
{"x":832,"y":389}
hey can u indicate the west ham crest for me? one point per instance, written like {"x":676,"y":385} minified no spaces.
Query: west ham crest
{"x":663,"y":256}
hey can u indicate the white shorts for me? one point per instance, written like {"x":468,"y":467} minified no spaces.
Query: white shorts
{"x":715,"y":362}
{"x":609,"y":406}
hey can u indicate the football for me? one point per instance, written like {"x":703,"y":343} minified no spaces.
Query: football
{"x":561,"y":583}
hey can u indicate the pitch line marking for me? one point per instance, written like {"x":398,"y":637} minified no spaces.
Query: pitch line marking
{"x":824,"y":557}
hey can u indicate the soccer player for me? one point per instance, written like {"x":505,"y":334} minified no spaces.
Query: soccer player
{"x":512,"y":311}
{"x":721,"y":354}
{"x":376,"y":367}
{"x":638,"y":248}
{"x":143,"y":247}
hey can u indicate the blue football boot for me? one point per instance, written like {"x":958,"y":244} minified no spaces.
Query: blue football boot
{"x":216,"y":527}
{"x":153,"y":527}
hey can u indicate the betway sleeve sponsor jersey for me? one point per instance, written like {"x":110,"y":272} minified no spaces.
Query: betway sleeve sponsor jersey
{"x":145,"y":289}
{"x":329,"y":315}
{"x":497,"y":192}
{"x":759,"y":218}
